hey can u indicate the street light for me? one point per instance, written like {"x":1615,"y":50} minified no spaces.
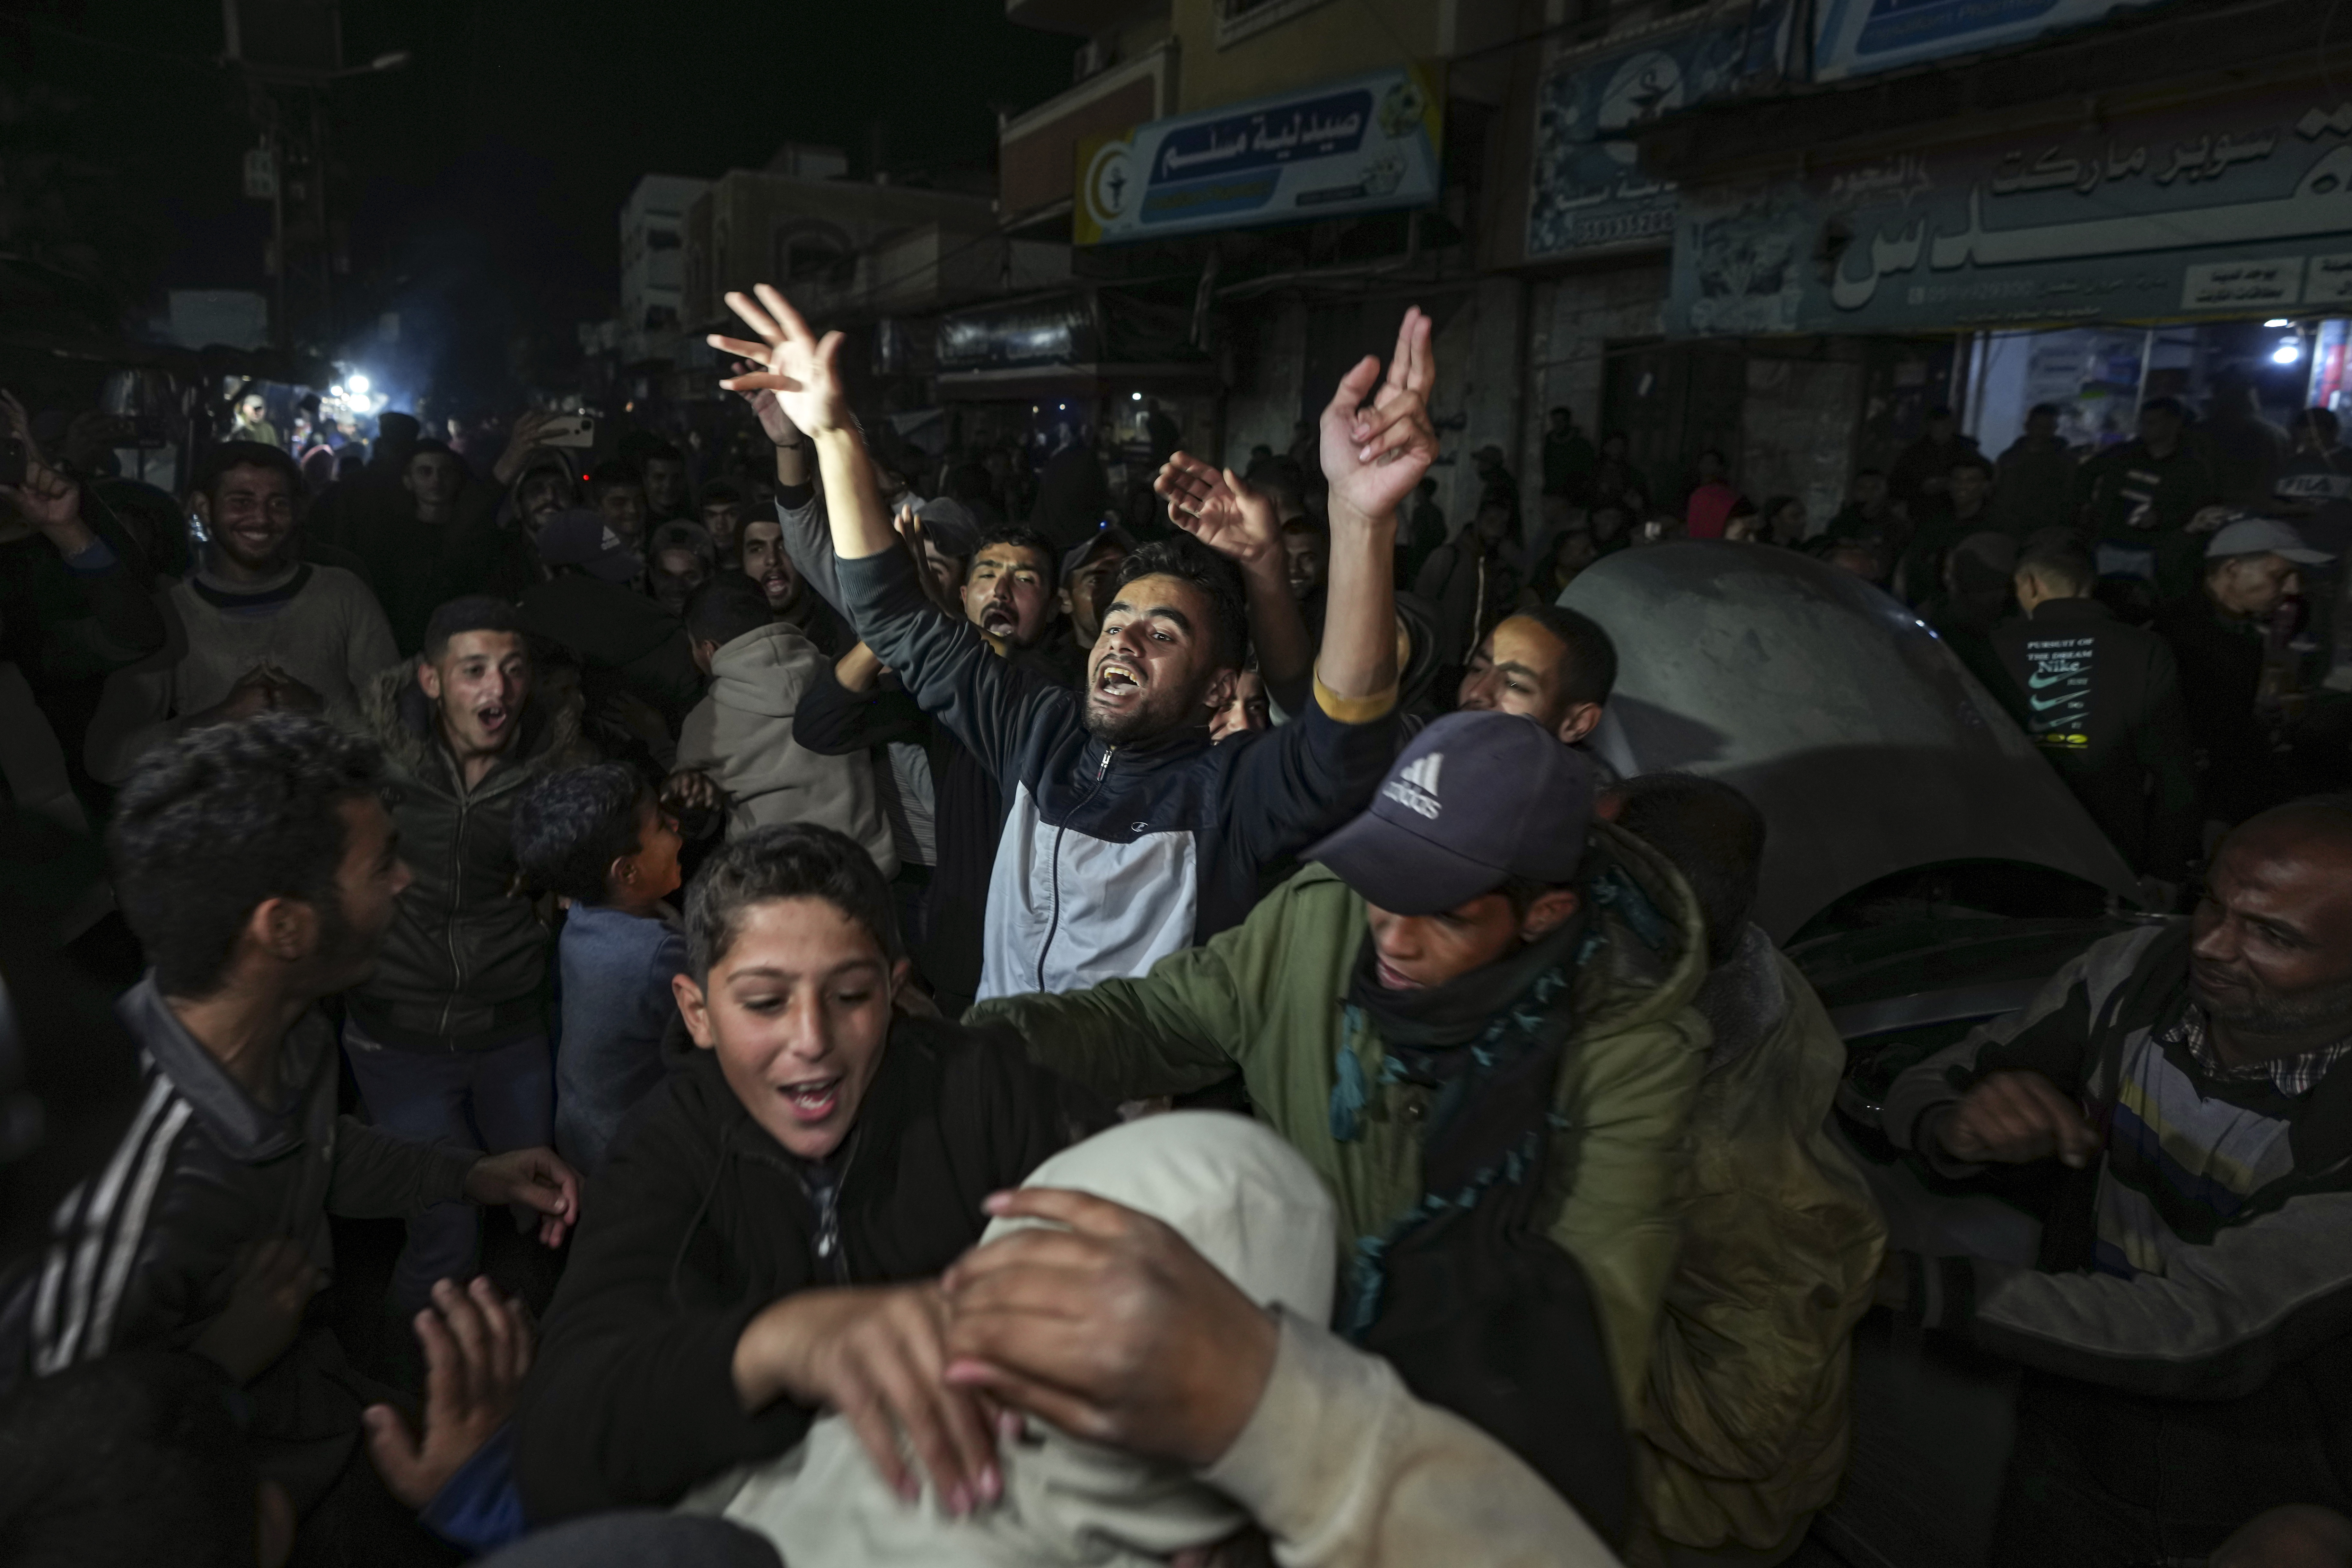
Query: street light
{"x":391,"y":60}
{"x":2288,"y":350}
{"x":358,"y":384}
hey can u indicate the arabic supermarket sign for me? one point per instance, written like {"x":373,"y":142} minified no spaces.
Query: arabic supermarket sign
{"x":1365,"y":144}
{"x":2228,"y":210}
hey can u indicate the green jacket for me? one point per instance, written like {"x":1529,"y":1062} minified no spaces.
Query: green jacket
{"x":1747,"y":1425}
{"x":1266,"y":997}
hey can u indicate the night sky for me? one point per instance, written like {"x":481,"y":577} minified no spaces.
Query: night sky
{"x":486,"y":178}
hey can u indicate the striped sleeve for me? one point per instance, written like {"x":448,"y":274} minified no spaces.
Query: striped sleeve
{"x":97,"y":1236}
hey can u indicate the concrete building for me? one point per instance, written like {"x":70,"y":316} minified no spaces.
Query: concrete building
{"x":653,"y":266}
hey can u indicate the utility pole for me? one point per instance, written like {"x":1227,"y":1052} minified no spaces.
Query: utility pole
{"x":288,"y":51}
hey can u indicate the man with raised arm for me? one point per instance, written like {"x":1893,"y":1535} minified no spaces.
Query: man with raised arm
{"x":1128,"y":835}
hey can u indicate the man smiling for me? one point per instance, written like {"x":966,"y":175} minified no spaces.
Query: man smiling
{"x":2184,"y":1330}
{"x":448,"y":1037}
{"x":1128,"y":833}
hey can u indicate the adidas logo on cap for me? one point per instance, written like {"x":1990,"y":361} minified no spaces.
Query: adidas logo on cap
{"x":1415,"y":788}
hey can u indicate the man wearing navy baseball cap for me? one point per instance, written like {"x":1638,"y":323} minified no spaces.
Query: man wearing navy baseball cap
{"x":1478,"y":994}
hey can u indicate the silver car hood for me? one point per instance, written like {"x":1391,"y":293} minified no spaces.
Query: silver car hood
{"x":1867,"y":746}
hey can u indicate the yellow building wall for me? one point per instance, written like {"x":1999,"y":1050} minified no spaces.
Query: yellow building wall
{"x":1336,"y":38}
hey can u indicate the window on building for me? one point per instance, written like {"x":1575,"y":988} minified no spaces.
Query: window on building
{"x":662,"y":239}
{"x":1237,"y":19}
{"x":810,"y":255}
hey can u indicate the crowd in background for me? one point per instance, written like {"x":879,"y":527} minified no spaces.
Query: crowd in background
{"x":1054,"y":1025}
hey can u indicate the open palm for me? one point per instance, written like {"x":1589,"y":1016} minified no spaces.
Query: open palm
{"x":1374,"y":456}
{"x":1219,"y":510}
{"x":802,"y":369}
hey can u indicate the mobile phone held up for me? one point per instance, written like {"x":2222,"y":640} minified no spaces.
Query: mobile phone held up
{"x":568,"y":430}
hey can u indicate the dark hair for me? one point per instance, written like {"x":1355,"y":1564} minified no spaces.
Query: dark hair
{"x":1022,"y":536}
{"x":787,"y":861}
{"x":2040,"y":408}
{"x":612,"y":474}
{"x":134,"y":1458}
{"x":2171,"y":406}
{"x":570,"y":826}
{"x":638,"y":446}
{"x":223,"y":819}
{"x":473,"y":613}
{"x":1306,"y":523}
{"x":1592,"y":657}
{"x":2056,"y":555}
{"x":1188,"y":560}
{"x":1976,"y":460}
{"x":1560,"y":408}
{"x":427,"y":443}
{"x":1715,"y":836}
{"x":720,"y":489}
{"x":230,"y":455}
{"x":728,"y":607}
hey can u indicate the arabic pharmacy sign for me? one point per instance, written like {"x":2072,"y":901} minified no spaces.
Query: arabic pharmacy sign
{"x":1586,"y":194}
{"x":1858,"y":37}
{"x":2234,"y":208}
{"x":1364,"y":144}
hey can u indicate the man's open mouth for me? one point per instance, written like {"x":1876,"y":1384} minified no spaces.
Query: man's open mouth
{"x":491,"y":719}
{"x":1113,"y":679}
{"x":999,"y":622}
{"x":812,"y":1100}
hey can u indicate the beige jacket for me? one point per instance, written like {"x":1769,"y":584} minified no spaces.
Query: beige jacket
{"x":740,"y":733}
{"x":1344,"y":1468}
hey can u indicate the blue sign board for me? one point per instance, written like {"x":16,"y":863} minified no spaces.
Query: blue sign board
{"x":1858,"y":37}
{"x":1365,"y":144}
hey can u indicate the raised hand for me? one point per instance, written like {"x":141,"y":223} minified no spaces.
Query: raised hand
{"x":1373,"y":455}
{"x":1219,"y":510}
{"x":910,"y":525}
{"x":477,"y":1346}
{"x":774,"y":423}
{"x":802,"y":369}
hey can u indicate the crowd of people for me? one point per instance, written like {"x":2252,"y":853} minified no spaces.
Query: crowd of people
{"x":1042,"y":1029}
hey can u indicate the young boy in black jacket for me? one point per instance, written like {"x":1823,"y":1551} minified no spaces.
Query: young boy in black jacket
{"x":768,"y":1237}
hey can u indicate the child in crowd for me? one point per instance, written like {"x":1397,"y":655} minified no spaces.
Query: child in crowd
{"x":598,"y":837}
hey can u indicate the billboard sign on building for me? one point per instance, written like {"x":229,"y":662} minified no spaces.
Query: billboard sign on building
{"x":1587,"y":194}
{"x":2229,"y":208}
{"x":1368,"y":143}
{"x":1858,"y":37}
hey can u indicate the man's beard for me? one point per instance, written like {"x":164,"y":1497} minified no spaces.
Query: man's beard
{"x":2264,"y":1014}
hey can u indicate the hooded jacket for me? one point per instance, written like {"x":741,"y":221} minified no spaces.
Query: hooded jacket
{"x":1114,"y":855}
{"x":144,"y":1253}
{"x":1748,"y":1422}
{"x":464,"y":966}
{"x":1266,"y":997}
{"x":740,"y":733}
{"x":703,"y":1220}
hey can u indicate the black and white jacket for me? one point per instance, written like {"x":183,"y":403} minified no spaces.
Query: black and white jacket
{"x":143,"y":1254}
{"x":1113,"y":857}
